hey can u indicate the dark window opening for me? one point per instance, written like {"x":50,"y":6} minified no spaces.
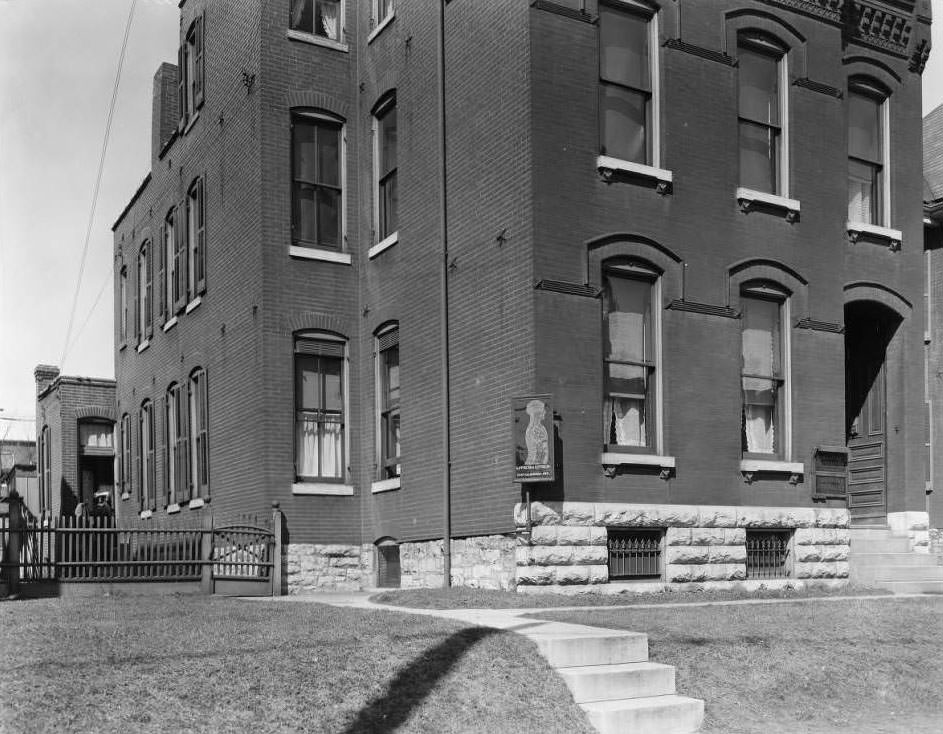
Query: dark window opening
{"x":388,"y":568}
{"x":768,"y":554}
{"x":634,"y":554}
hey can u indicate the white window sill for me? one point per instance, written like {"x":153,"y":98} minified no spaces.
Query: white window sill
{"x":197,"y":503}
{"x":893,"y":237}
{"x":660,"y":176}
{"x":384,"y":244}
{"x":143,"y":345}
{"x":122,"y":346}
{"x":145,"y":514}
{"x":383,"y":24}
{"x":171,"y":323}
{"x":750,"y":467}
{"x":191,"y":122}
{"x":125,"y":495}
{"x":326,"y":488}
{"x":173,"y":509}
{"x":313,"y":253}
{"x":747,"y":198}
{"x":316,"y":40}
{"x":611,"y":460}
{"x":385,"y":485}
{"x":193,"y":304}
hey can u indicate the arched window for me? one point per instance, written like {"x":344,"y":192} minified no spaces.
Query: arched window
{"x":199,"y":446}
{"x":388,"y":402}
{"x":196,"y":239}
{"x":385,"y":169}
{"x":45,"y":470}
{"x":317,"y":202}
{"x":124,"y":457}
{"x":320,"y":407}
{"x":176,"y":458}
{"x":868,"y":152}
{"x":320,"y":18}
{"x":123,"y":306}
{"x":632,"y":356}
{"x":146,"y":468}
{"x":145,"y":316}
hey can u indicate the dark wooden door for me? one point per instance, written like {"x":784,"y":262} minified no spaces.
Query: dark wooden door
{"x":867,"y":443}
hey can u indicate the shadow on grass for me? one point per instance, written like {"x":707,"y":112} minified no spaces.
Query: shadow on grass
{"x":414,"y":682}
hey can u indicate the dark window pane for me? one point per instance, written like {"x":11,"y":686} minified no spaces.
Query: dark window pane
{"x":304,"y":212}
{"x":864,"y":127}
{"x":628,"y":304}
{"x":300,"y":17}
{"x":328,"y":219}
{"x":329,"y":155}
{"x":627,"y":380}
{"x":389,"y":200}
{"x":759,"y":86}
{"x":758,"y":157}
{"x":387,"y":141}
{"x":304,"y":152}
{"x":623,"y":48}
{"x":625,"y":121}
{"x":863,"y":192}
{"x":308,"y":387}
{"x":333,"y":390}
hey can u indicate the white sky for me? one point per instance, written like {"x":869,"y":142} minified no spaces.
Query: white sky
{"x":57,"y":67}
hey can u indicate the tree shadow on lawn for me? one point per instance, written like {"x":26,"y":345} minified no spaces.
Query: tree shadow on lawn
{"x":414,"y":683}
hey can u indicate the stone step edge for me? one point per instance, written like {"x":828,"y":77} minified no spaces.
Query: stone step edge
{"x":669,"y":700}
{"x":588,"y":669}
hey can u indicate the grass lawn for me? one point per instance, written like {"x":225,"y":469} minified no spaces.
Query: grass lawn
{"x":857,"y":666}
{"x":460,"y":597}
{"x":176,"y":663}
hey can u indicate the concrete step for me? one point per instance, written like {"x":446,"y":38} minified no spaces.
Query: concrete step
{"x":909,"y":573}
{"x":650,"y":715}
{"x":564,"y":649}
{"x":912,"y":587}
{"x":895,"y":559}
{"x":883,"y":545}
{"x":626,"y":680}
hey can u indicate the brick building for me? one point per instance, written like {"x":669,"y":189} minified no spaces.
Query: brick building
{"x":933,"y":242}
{"x":694,"y":225}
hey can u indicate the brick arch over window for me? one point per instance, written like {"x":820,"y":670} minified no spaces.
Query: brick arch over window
{"x":757,"y":21}
{"x":873,"y":69}
{"x":316,"y":321}
{"x":96,"y":412}
{"x":383,"y":99}
{"x":773,"y":271}
{"x":628,"y":247}
{"x":311,"y":99}
{"x":879,"y":293}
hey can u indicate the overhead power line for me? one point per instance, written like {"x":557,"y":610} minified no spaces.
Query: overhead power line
{"x":98,"y":179}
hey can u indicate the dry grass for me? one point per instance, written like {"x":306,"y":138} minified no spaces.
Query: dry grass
{"x":467,"y":598}
{"x":850,"y":666}
{"x":160,"y":664}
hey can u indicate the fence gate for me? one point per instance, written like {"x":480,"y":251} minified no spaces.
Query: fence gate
{"x":243,"y":557}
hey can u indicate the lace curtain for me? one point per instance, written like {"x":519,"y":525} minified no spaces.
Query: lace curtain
{"x":759,"y":394}
{"x":319,"y":453}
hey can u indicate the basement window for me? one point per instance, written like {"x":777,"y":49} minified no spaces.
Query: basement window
{"x":388,"y":568}
{"x":768,"y":554}
{"x":635,"y":554}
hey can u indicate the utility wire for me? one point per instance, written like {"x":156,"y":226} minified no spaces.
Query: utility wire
{"x":88,"y":316}
{"x":98,"y":179}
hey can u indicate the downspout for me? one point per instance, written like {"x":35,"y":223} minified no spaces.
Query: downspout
{"x":444,"y":317}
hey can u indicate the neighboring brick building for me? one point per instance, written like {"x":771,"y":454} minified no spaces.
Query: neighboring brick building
{"x":75,"y":457}
{"x":694,"y":225}
{"x":933,"y":245}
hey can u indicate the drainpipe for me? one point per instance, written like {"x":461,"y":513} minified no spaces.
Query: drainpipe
{"x":444,"y":316}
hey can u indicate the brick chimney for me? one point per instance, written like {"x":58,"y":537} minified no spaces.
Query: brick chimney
{"x":44,"y":374}
{"x":166,"y":109}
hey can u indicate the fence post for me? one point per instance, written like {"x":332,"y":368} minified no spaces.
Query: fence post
{"x":17,"y":527}
{"x":277,"y":551}
{"x":206,"y":553}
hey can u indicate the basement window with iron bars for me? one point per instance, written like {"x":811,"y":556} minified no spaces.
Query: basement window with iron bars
{"x":768,"y":554}
{"x":635,"y":554}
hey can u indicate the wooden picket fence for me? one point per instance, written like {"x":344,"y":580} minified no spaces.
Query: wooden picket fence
{"x":234,"y":555}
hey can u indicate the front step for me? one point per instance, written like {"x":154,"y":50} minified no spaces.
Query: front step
{"x":628,"y":680}
{"x":671,"y":714}
{"x":566,"y":649}
{"x":878,"y":558}
{"x":913,"y":587}
{"x":909,"y":573}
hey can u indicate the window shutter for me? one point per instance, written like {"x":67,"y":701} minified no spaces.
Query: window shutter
{"x":161,"y":275}
{"x":180,"y":256}
{"x":137,"y":304}
{"x":204,"y":453}
{"x":166,"y":407}
{"x":181,"y":88}
{"x":319,"y":348}
{"x":198,"y":64}
{"x":200,"y":259}
{"x":152,"y":469}
{"x":149,"y":293}
{"x":140,"y":468}
{"x":183,"y":445}
{"x":388,"y":339}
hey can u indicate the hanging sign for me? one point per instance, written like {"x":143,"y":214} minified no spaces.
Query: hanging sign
{"x":533,"y":438}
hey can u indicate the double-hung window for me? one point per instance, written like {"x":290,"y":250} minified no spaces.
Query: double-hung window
{"x":388,"y":403}
{"x":196,"y":240}
{"x":867,"y":150}
{"x":146,"y":468}
{"x":321,"y":18}
{"x":319,"y":409}
{"x":177,"y":443}
{"x":167,"y":267}
{"x":199,"y":448}
{"x":764,"y":371}
{"x":191,"y":71}
{"x":387,"y":195}
{"x":761,"y":114}
{"x":628,"y":101}
{"x":45,"y":469}
{"x":382,"y":11}
{"x":317,"y":175}
{"x":124,"y":459}
{"x":145,"y":317}
{"x":631,"y":356}
{"x":123,"y":305}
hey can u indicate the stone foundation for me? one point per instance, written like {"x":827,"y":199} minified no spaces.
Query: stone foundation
{"x":703,"y":546}
{"x":935,"y":536}
{"x":484,"y":562}
{"x":336,"y":567}
{"x":915,"y":525}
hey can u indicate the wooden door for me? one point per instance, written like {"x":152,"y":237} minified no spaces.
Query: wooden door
{"x":867,"y":444}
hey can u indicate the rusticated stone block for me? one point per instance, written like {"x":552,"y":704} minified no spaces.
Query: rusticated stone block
{"x":598,"y":536}
{"x":571,"y":575}
{"x":573,"y":535}
{"x":569,"y":555}
{"x":598,"y":574}
{"x":578,"y":513}
{"x":687,"y":554}
{"x":678,"y":516}
{"x":339,"y":550}
{"x":706,"y":572}
{"x":820,"y":553}
{"x":523,"y":555}
{"x":546,"y":513}
{"x":822,"y":536}
{"x":831,"y":517}
{"x":678,"y":536}
{"x":727,"y":554}
{"x":735,"y":536}
{"x":708,"y":536}
{"x":544,"y":534}
{"x":717,"y":516}
{"x":821,"y":570}
{"x":612,"y":515}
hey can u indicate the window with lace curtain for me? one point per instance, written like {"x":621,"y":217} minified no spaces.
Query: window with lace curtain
{"x":631,"y":358}
{"x":320,"y":409}
{"x":867,"y":149}
{"x":763,"y":370}
{"x":321,"y":18}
